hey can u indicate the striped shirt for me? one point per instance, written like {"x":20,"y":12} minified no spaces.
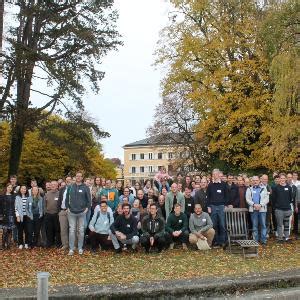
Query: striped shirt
{"x":24,"y":200}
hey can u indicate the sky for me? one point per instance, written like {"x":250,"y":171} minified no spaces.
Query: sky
{"x":131,"y":87}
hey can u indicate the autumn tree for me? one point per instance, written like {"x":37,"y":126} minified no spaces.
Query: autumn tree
{"x":214,"y":51}
{"x":57,"y":44}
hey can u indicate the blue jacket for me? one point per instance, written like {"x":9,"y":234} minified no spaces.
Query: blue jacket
{"x":29,"y":207}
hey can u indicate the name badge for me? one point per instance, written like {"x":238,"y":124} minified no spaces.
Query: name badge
{"x":128,"y":225}
{"x":80,"y":191}
{"x":254,"y":192}
{"x":30,"y":203}
{"x":189,"y":204}
{"x":180,"y":221}
{"x":105,"y":222}
{"x":56,"y":198}
{"x":219,"y":191}
{"x":286,"y":189}
{"x":203,"y":220}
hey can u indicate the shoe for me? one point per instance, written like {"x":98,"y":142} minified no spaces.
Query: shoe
{"x":80,"y":251}
{"x":64,"y":247}
{"x":26,"y":246}
{"x":216,"y":246}
{"x":71,"y":252}
{"x":171,"y":246}
{"x":184,"y":246}
{"x":21,"y":247}
{"x":289,"y":241}
{"x":264,"y":244}
{"x":280,"y":241}
{"x":119,"y":250}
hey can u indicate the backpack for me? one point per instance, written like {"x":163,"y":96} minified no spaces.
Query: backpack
{"x":98,"y":214}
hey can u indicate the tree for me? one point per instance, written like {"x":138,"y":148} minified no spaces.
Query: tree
{"x":59,"y":43}
{"x":52,"y":151}
{"x":175,"y":119}
{"x":116,"y":161}
{"x":214,"y":52}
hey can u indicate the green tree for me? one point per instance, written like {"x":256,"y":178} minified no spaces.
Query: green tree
{"x":59,"y":43}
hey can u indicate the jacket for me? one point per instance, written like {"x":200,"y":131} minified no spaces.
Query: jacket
{"x":264,"y":199}
{"x":153,"y":227}
{"x":19,"y":207}
{"x":100,"y":223}
{"x":78,"y":198}
{"x":41,"y":207}
{"x":200,"y":223}
{"x":169,"y":202}
{"x":175,"y":223}
{"x":126,"y":226}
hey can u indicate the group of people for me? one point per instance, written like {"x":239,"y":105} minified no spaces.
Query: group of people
{"x":100,"y":213}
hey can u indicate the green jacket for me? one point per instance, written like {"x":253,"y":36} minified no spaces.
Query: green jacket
{"x":176,"y":223}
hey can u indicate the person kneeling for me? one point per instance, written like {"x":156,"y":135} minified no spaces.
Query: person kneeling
{"x":177,"y":226}
{"x":201,"y":227}
{"x":125,"y":230}
{"x":100,"y":233}
{"x":153,"y":228}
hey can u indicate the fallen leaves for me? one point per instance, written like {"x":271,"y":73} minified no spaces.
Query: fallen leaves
{"x":19,"y":267}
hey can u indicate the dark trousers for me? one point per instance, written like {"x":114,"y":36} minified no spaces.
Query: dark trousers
{"x":97,"y":239}
{"x":160,"y":241}
{"x":297,"y":221}
{"x":183,"y":238}
{"x":22,"y":230}
{"x":52,"y":230}
{"x":34,"y":229}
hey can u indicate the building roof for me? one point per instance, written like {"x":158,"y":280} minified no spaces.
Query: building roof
{"x":158,"y":140}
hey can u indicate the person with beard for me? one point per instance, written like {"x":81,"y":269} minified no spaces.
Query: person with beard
{"x":233,"y":192}
{"x":201,"y":195}
{"x":125,"y":230}
{"x":189,"y":202}
{"x":153,"y":228}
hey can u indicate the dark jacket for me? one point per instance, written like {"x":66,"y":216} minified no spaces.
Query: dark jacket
{"x":60,"y":197}
{"x":176,"y":223}
{"x":126,"y":226}
{"x":78,"y":198}
{"x":7,"y":207}
{"x":282,"y":197}
{"x":189,"y":206}
{"x":201,"y":198}
{"x":217,"y":194}
{"x":153,"y":227}
{"x":233,"y":195}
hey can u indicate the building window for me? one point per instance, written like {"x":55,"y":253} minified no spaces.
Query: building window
{"x":142,"y":169}
{"x":159,"y":155}
{"x":142,"y":156}
{"x":133,"y":156}
{"x":170,"y":155}
{"x":150,"y":155}
{"x":150,"y":169}
{"x":133,"y":170}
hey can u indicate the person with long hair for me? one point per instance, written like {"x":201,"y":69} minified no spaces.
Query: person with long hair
{"x":8,"y":208}
{"x":34,"y":213}
{"x":20,"y":210}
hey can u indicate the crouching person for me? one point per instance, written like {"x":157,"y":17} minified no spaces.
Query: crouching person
{"x":201,"y":226}
{"x":100,"y":233}
{"x":125,"y":230}
{"x":177,"y":227}
{"x":153,"y":228}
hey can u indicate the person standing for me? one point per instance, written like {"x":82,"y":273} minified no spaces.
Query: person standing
{"x":217,"y":195}
{"x":35,"y":213}
{"x":63,"y":215}
{"x":257,"y":198}
{"x":233,"y":192}
{"x":173,"y":197}
{"x":78,"y":201}
{"x":51,"y":216}
{"x":282,"y":196}
{"x":201,"y":195}
{"x":8,"y":214}
{"x":112,"y":195}
{"x":20,"y":210}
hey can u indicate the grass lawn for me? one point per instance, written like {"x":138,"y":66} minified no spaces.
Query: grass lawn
{"x":19,"y":267}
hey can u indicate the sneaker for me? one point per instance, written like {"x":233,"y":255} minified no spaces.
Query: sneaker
{"x":71,"y":252}
{"x":21,"y":247}
{"x":26,"y":246}
{"x":184,"y":246}
{"x":80,"y":251}
{"x":171,"y":246}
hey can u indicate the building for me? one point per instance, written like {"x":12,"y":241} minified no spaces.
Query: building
{"x":143,"y":159}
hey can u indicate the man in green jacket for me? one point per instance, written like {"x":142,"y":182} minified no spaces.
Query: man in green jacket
{"x":177,"y":226}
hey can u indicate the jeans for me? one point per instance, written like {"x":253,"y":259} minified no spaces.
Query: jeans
{"x":87,"y":219}
{"x":73,"y":220}
{"x":259,"y":219}
{"x":218,"y":219}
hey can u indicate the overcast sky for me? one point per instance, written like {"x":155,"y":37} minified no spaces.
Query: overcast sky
{"x":131,"y":87}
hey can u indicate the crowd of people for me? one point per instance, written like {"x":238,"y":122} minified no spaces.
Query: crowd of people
{"x":98,"y":213}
